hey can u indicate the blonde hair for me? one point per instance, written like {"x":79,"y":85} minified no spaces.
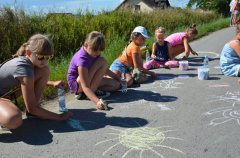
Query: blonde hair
{"x":39,"y":44}
{"x":160,"y":30}
{"x":192,"y":29}
{"x":95,"y":40}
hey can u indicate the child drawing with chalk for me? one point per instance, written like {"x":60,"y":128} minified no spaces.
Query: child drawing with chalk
{"x":27,"y":75}
{"x":130,"y":59}
{"x":179,"y":43}
{"x":88,"y":74}
{"x":159,"y":54}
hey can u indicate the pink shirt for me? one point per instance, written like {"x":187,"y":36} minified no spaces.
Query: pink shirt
{"x":176,"y":38}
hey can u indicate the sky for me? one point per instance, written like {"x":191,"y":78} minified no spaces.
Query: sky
{"x":72,"y":6}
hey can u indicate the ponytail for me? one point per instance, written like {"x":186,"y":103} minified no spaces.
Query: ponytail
{"x":21,"y":50}
{"x":192,"y":29}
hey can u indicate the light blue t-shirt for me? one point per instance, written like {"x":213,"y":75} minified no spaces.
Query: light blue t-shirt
{"x":229,"y":61}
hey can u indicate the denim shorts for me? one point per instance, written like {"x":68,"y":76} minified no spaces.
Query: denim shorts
{"x":119,"y":66}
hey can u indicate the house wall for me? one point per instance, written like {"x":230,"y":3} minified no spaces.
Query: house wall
{"x":144,"y":7}
{"x":131,"y":5}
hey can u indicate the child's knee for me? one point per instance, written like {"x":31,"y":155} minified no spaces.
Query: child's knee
{"x":13,"y":120}
{"x":101,"y":61}
{"x":129,"y":82}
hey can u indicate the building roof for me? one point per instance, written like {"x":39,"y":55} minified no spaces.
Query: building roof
{"x":150,"y":3}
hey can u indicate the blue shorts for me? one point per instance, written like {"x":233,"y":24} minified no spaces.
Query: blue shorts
{"x":119,"y":66}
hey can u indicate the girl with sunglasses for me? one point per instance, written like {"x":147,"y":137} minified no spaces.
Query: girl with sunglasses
{"x":30,"y":72}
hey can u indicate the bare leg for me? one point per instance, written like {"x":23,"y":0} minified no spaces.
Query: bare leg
{"x":10,"y":115}
{"x":175,"y":51}
{"x":96,"y":73}
{"x":109,"y":84}
{"x":41,"y":78}
{"x":234,"y":19}
{"x":129,"y":78}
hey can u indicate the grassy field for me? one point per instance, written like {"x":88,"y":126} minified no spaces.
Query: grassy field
{"x":68,"y":31}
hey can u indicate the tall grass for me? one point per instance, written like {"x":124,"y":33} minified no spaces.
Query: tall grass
{"x":68,"y":31}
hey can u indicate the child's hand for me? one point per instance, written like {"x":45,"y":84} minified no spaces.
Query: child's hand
{"x":153,"y":56}
{"x":194,"y":53}
{"x":59,"y":84}
{"x":153,"y":74}
{"x":65,"y":116}
{"x":102,"y":105}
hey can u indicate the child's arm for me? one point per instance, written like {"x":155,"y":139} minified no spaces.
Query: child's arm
{"x":236,"y":47}
{"x":188,"y":48}
{"x":235,"y":4}
{"x":32,"y":105}
{"x":113,"y":75}
{"x":58,"y":84}
{"x":154,"y":49}
{"x":137,"y":62}
{"x":87,"y":88}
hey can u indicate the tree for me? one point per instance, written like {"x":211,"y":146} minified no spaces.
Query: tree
{"x":220,"y":6}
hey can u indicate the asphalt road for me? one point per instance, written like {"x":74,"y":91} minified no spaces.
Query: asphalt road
{"x":176,"y":116}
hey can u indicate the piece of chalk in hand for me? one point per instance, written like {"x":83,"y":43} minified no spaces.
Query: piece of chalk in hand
{"x":104,"y":103}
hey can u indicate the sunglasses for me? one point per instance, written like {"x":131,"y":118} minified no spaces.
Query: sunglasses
{"x":43,"y":57}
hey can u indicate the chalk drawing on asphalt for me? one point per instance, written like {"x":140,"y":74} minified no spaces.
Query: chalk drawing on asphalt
{"x":141,"y":141}
{"x":150,"y":104}
{"x":76,"y":124}
{"x":229,"y":97}
{"x":218,"y":85}
{"x":163,"y":85}
{"x":227,"y":113}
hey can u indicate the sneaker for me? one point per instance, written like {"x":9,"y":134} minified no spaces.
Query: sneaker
{"x":102,"y":94}
{"x":80,"y":96}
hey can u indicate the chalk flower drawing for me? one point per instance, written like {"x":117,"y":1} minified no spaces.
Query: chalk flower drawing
{"x":142,"y":139}
{"x":228,"y":113}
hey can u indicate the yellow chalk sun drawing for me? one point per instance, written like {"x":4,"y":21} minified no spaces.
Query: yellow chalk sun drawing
{"x":141,"y":139}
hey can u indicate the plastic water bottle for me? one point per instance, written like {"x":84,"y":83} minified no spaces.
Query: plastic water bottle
{"x":123,"y":83}
{"x":147,"y":55}
{"x":205,"y":61}
{"x":61,"y":101}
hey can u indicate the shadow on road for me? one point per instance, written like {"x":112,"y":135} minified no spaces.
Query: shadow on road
{"x":139,"y":95}
{"x":40,"y":132}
